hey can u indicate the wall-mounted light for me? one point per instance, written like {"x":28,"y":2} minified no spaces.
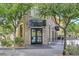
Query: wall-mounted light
{"x":57,"y":28}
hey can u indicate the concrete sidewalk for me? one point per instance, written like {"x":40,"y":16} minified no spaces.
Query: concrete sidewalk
{"x":54,"y":49}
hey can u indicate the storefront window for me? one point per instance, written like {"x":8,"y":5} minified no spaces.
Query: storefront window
{"x":21,"y":30}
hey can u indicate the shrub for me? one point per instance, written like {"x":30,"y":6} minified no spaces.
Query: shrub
{"x":19,"y":41}
{"x":7,"y":42}
{"x":72,"y":50}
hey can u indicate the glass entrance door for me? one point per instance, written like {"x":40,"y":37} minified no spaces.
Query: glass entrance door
{"x":36,"y":35}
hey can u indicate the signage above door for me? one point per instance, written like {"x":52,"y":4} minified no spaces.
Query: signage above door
{"x":37,"y":23}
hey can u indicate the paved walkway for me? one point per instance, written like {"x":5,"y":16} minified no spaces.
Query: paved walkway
{"x":53,"y":49}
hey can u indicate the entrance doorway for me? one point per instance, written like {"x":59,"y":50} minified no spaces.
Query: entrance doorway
{"x":36,"y":35}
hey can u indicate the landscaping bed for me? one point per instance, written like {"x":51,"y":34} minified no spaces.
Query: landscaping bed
{"x":72,"y":50}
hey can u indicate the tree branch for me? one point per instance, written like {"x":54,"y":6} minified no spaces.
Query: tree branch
{"x":57,"y":22}
{"x":68,"y":21}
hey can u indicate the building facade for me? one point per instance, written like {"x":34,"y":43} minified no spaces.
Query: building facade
{"x":36,"y":30}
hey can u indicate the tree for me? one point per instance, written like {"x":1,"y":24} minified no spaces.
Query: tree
{"x":73,"y":28}
{"x":15,"y":14}
{"x":5,"y":26}
{"x":62,"y":14}
{"x":11,"y":15}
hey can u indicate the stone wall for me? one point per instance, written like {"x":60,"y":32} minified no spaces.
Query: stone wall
{"x":48,"y":31}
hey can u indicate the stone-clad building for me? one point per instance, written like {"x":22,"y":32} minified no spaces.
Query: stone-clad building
{"x":36,"y":30}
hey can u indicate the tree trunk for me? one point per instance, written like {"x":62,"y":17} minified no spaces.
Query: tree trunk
{"x":14,"y":27}
{"x":14,"y":35}
{"x":64,"y":52}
